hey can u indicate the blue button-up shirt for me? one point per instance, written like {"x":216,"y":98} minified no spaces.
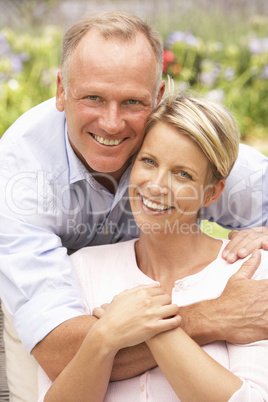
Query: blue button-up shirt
{"x":50,"y":205}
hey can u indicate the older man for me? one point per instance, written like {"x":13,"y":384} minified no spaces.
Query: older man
{"x":65,"y":166}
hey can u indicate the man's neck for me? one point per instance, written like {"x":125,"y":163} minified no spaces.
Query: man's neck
{"x":110,"y":180}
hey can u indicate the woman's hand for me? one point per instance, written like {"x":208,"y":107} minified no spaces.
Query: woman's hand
{"x":136,"y":315}
{"x":244,"y":242}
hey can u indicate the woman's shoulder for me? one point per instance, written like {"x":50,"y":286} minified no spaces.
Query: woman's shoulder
{"x":103,"y":253}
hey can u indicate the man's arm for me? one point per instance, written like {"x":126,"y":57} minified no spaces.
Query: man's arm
{"x":239,"y":315}
{"x":243,"y":203}
{"x":151,"y":313}
{"x":58,"y":348}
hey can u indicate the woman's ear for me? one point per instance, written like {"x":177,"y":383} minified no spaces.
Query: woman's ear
{"x":214,"y":192}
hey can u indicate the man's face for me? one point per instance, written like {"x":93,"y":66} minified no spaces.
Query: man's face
{"x":111,"y":92}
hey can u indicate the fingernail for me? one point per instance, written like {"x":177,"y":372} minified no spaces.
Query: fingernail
{"x":225,"y":253}
{"x":230,"y":257}
{"x":243,"y":252}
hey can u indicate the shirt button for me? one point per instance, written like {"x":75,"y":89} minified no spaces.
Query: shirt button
{"x":178,"y":287}
{"x":143,"y":388}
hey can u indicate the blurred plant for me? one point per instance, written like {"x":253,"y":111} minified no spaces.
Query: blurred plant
{"x":28,"y":68}
{"x":186,"y":49}
{"x":235,"y":74}
{"x":170,"y":66}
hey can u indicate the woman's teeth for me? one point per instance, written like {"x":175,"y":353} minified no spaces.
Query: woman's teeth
{"x":104,"y":141}
{"x":154,"y":206}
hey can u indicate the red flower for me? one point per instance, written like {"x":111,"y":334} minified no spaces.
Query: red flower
{"x":169,"y":58}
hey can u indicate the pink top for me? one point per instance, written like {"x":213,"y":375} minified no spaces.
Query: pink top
{"x":105,"y":271}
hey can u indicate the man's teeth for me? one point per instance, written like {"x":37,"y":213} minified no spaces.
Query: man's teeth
{"x":154,"y":206}
{"x":104,"y":141}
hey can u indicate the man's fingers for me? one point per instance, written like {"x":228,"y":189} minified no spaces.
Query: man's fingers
{"x":243,"y":243}
{"x":265,"y":244}
{"x":249,"y":267}
{"x":230,"y":251}
{"x":232,"y":234}
{"x":249,"y":248}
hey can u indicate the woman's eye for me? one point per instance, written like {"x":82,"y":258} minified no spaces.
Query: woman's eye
{"x":184,"y":175}
{"x":148,"y":161}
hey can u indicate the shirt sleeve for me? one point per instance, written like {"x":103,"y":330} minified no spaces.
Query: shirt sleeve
{"x":38,"y":284}
{"x":250,"y":363}
{"x":244,"y":201}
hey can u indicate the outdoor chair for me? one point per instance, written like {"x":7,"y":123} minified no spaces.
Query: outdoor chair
{"x":4,"y":393}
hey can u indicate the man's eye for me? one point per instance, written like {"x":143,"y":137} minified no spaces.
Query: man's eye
{"x":92,"y":97}
{"x":133,"y":102}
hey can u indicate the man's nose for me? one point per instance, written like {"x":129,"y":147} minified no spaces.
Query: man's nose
{"x":111,"y":121}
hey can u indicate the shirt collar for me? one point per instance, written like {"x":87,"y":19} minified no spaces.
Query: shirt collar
{"x":77,"y":170}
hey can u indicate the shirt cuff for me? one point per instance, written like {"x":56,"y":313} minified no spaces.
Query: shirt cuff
{"x":39,"y":316}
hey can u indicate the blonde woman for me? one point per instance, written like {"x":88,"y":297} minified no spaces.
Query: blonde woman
{"x":189,"y":149}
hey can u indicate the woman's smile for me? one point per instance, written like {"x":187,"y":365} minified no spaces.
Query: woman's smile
{"x":154,"y":205}
{"x":167,"y":182}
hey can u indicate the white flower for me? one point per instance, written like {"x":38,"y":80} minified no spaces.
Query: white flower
{"x":13,"y":84}
{"x":217,"y":95}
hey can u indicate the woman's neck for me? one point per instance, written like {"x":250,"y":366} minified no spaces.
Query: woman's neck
{"x":169,"y":257}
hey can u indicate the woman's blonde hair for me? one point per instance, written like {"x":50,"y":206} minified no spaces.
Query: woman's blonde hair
{"x":206,"y":122}
{"x":110,"y":24}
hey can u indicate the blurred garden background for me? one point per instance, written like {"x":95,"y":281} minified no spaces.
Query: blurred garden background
{"x":218,"y":48}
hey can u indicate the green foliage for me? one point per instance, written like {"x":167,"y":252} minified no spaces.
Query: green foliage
{"x":234,"y":73}
{"x":212,"y":229}
{"x":28,"y":69}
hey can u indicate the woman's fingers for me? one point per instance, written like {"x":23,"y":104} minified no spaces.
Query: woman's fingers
{"x":136,"y":315}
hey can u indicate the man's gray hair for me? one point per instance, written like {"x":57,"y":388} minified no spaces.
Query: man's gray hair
{"x":110,"y":24}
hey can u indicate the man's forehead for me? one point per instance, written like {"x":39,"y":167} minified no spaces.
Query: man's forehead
{"x":94,"y":34}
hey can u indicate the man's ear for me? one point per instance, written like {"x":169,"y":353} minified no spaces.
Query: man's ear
{"x":214,"y":192}
{"x":60,"y":93}
{"x":160,"y":92}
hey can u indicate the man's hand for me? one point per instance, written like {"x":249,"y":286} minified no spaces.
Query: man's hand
{"x":244,"y":242}
{"x":239,"y":315}
{"x":244,"y":304}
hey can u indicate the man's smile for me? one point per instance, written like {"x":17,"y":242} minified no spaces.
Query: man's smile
{"x":105,"y":141}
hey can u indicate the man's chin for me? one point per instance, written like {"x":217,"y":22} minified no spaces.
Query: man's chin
{"x":108,"y":172}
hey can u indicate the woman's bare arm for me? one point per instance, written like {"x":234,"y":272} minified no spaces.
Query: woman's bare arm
{"x":192,"y":373}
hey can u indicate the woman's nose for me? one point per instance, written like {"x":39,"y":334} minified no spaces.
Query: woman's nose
{"x":158,"y":185}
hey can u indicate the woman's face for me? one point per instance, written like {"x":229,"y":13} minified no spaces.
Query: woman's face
{"x":168,"y":181}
